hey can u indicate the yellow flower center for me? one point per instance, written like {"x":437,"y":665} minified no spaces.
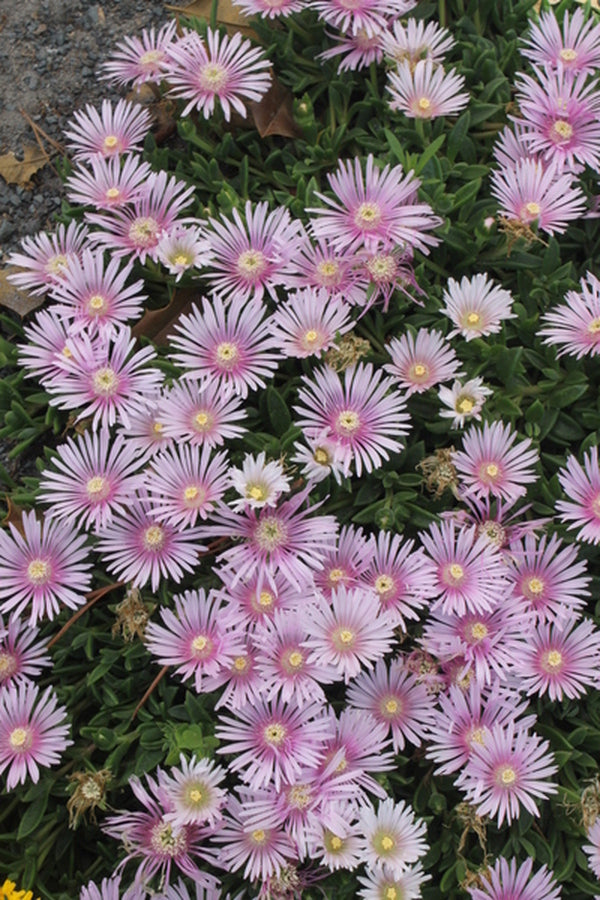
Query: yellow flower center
{"x":157,"y":427}
{"x":552,"y":660}
{"x":240,"y":663}
{"x":477,"y":736}
{"x":594,"y":326}
{"x":113,"y":193}
{"x":98,"y":488}
{"x":328,"y":272}
{"x":105,"y":382}
{"x":567,"y":54}
{"x":390,"y":706}
{"x":182,"y":259}
{"x":299,"y":796}
{"x":321,"y":456}
{"x":202,"y":421}
{"x":343,"y":638}
{"x":166,"y":841}
{"x":419,"y":370}
{"x":97,"y":304}
{"x":227,"y":353}
{"x":383,"y":585}
{"x":150,"y":58}
{"x":311,"y":336}
{"x":492,"y":470}
{"x":382,"y":267}
{"x":336,"y":575}
{"x":335,"y":842}
{"x":533,"y":209}
{"x":464,"y":405}
{"x":391,"y":893}
{"x":154,"y":538}
{"x":213,"y":77}
{"x":274,"y":734}
{"x":479,"y":631}
{"x":562,"y":131}
{"x":190,"y":493}
{"x":110,"y":143}
{"x":507,"y":775}
{"x":534,"y":586}
{"x":56,"y":265}
{"x":200,"y":642}
{"x":259,"y":836}
{"x":19,"y":739}
{"x":266,"y":599}
{"x":39,"y":571}
{"x":8,"y":665}
{"x":473,"y":318}
{"x":348,"y":422}
{"x":295,"y":659}
{"x":456,"y":573}
{"x":256,"y":492}
{"x":386,"y":842}
{"x":424,"y":104}
{"x":368,"y":216}
{"x":195,"y":795}
{"x":251,"y":263}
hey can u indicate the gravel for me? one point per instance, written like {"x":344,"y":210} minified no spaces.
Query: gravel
{"x":51,"y":52}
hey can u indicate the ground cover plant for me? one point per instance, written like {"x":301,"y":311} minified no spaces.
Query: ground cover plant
{"x":299,"y":560}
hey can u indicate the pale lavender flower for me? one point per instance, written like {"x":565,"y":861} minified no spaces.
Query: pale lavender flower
{"x":44,"y":566}
{"x":94,"y":295}
{"x":46,"y":257}
{"x":91,"y":479}
{"x":322,"y":456}
{"x":183,"y":248}
{"x":358,"y":50}
{"x":401,"y":576}
{"x":391,"y":836}
{"x":364,"y":412}
{"x":424,"y":91}
{"x":113,"y":132}
{"x":476,"y":306}
{"x":381,"y":882}
{"x":194,"y":792}
{"x":559,"y":660}
{"x":201,"y":417}
{"x":111,"y":183}
{"x":582,"y":487}
{"x":510,"y":148}
{"x":137,"y":60}
{"x":33,"y":732}
{"x":109,"y":889}
{"x":506,"y":881}
{"x":139,"y":548}
{"x":359,"y":745}
{"x":507,"y":772}
{"x":592,"y":850}
{"x":222,"y":68}
{"x":242,"y":682}
{"x":46,"y":346}
{"x":256,"y":602}
{"x":22,"y":654}
{"x":369,"y":16}
{"x":344,"y":564}
{"x":575,"y":49}
{"x":270,"y":9}
{"x":259,"y":483}
{"x":322,"y":266}
{"x":146,"y":428}
{"x":253,"y":254}
{"x":574,"y":326}
{"x":494,"y":462}
{"x":309,"y":323}
{"x":420,"y":361}
{"x":464,"y":401}
{"x":374,"y":208}
{"x":226,"y":345}
{"x":184,"y":483}
{"x":530,"y":193}
{"x":415,"y":41}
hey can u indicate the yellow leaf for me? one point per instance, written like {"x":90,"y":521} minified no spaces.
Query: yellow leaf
{"x":15,"y":171}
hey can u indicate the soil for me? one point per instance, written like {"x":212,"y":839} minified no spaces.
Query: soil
{"x":51,"y":53}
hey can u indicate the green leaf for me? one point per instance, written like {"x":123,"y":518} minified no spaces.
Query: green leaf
{"x":431,"y":150}
{"x":34,"y":813}
{"x":279,"y":414}
{"x":457,"y":135}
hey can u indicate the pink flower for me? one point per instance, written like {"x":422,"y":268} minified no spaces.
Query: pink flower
{"x":253,"y":254}
{"x":47,"y":257}
{"x":111,"y":183}
{"x":200,"y":417}
{"x":47,"y":337}
{"x":507,"y":772}
{"x":374,"y":208}
{"x":270,"y":9}
{"x":95,"y":478}
{"x":416,"y":41}
{"x":425,"y":91}
{"x":420,"y":361}
{"x":359,"y":745}
{"x":504,"y":881}
{"x":358,"y":50}
{"x":344,"y":565}
{"x":45,"y":565}
{"x":137,"y":60}
{"x":400,"y":576}
{"x":530,"y":193}
{"x":226,"y":345}
{"x":227,"y":69}
{"x":575,"y":49}
{"x":363,"y":15}
{"x":111,"y":133}
{"x":309,"y":323}
{"x":323,"y":267}
{"x":560,"y":661}
{"x":574,"y":326}
{"x":476,"y":306}
{"x":492,"y":461}
{"x":364,"y":412}
{"x":22,"y":654}
{"x":140,"y":548}
{"x":184,"y":483}
{"x":593,"y":848}
{"x":33,"y":732}
{"x":256,"y":602}
{"x":391,"y":836}
{"x":582,"y":486}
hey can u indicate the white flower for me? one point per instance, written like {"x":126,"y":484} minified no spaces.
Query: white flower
{"x":258,"y":483}
{"x":464,"y":401}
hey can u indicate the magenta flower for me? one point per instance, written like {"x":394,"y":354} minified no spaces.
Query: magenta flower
{"x":492,"y":461}
{"x":92,"y":478}
{"x":531,"y":193}
{"x":420,"y":361}
{"x":227,"y":69}
{"x":423,"y":90}
{"x":225,"y":345}
{"x":184,"y":483}
{"x":287,"y":539}
{"x":112,"y":133}
{"x":476,"y":306}
{"x":364,"y":412}
{"x":548,"y":577}
{"x":416,"y":41}
{"x":22,"y":654}
{"x":103,"y":379}
{"x":309,"y":323}
{"x":507,"y":772}
{"x":252,"y":254}
{"x":395,"y":698}
{"x":470,"y":573}
{"x":560,"y":661}
{"x":196,"y":637}
{"x":153,"y":839}
{"x":391,"y":836}
{"x":574,"y":326}
{"x":506,"y":881}
{"x":193,"y":792}
{"x":400,"y":576}
{"x":137,"y":60}
{"x":111,"y":183}
{"x":44,"y":565}
{"x":560,"y":116}
{"x":33,"y":732}
{"x":46,"y":257}
{"x":575,"y":49}
{"x":206,"y":417}
{"x":374,"y":208}
{"x":582,"y":486}
{"x":272,"y":742}
{"x":140,"y":548}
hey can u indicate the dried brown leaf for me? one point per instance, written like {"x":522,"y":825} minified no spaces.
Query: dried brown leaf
{"x":157,"y":324}
{"x":16,"y":171}
{"x":14,"y":515}
{"x":13,"y":298}
{"x":273,"y":113}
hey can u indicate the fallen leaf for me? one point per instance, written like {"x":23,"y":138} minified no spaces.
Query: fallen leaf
{"x":272,"y":114}
{"x":16,"y":171}
{"x":227,"y":14}
{"x":13,"y":298}
{"x":14,"y":516}
{"x":101,"y":16}
{"x":157,"y":324}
